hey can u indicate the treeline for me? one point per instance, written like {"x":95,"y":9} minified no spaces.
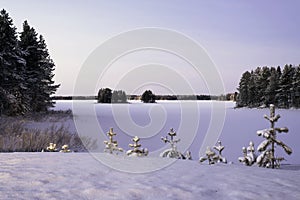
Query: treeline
{"x":26,"y":69}
{"x":227,"y":97}
{"x":74,"y":97}
{"x":269,"y":85}
{"x":107,"y":95}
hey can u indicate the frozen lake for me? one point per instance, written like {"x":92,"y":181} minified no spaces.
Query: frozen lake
{"x":191,"y":120}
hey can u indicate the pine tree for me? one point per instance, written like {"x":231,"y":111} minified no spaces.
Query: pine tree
{"x":296,"y":88}
{"x":12,"y":66}
{"x":264,"y":82}
{"x":252,"y":91}
{"x":272,"y":87}
{"x":267,"y":147}
{"x":243,"y":97}
{"x":39,"y":69}
{"x":285,"y":86}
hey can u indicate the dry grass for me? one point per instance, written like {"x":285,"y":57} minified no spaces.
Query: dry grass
{"x":16,"y":137}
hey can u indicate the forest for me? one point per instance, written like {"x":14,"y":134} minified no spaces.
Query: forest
{"x":268,"y":85}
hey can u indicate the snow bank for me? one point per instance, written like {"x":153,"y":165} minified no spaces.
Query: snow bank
{"x":80,"y":176}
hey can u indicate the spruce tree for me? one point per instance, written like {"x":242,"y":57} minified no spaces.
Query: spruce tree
{"x":12,"y":68}
{"x":39,"y":69}
{"x":46,"y":80}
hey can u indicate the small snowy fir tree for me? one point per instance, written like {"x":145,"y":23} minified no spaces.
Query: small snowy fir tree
{"x":212,"y":157}
{"x":172,"y":152}
{"x":188,"y":155}
{"x":111,"y":145}
{"x":136,"y":151}
{"x":249,"y":156}
{"x":51,"y":148}
{"x":209,"y":156}
{"x":219,"y":148}
{"x":65,"y":149}
{"x":267,"y":147}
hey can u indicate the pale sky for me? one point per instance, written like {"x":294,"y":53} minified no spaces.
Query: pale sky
{"x":237,"y":35}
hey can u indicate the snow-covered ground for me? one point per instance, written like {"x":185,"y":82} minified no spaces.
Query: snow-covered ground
{"x":94,"y":176}
{"x":80,"y":176}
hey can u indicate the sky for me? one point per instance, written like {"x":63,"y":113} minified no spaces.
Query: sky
{"x":237,"y":35}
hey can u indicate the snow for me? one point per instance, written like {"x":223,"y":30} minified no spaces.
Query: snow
{"x":94,"y":175}
{"x":81,"y":176}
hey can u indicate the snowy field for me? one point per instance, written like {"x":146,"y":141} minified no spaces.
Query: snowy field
{"x":80,"y":176}
{"x":84,"y":176}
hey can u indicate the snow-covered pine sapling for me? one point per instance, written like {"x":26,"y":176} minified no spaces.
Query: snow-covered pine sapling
{"x":65,"y":149}
{"x":136,"y":151}
{"x":188,"y":155}
{"x":212,"y":156}
{"x":51,"y":148}
{"x":111,"y":145}
{"x":209,"y":156}
{"x":220,"y":148}
{"x":267,"y":147}
{"x":172,"y":152}
{"x":249,"y":156}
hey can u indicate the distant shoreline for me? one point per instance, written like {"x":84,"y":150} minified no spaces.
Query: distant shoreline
{"x":227,"y":97}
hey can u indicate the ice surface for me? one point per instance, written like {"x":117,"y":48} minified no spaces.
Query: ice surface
{"x":239,"y":128}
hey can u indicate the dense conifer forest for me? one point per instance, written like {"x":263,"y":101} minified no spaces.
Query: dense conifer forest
{"x":269,"y":85}
{"x":26,"y":69}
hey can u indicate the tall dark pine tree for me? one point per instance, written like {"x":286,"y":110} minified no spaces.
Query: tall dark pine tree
{"x":285,"y":86}
{"x":264,"y":82}
{"x":39,"y":69}
{"x":12,"y":64}
{"x":243,"y":97}
{"x":296,"y":88}
{"x":272,"y":87}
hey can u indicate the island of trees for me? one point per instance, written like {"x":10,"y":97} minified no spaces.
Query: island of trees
{"x":269,"y":85}
{"x":26,"y":70}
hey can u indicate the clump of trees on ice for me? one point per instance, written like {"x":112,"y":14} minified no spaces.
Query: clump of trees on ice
{"x":267,"y":146}
{"x":26,"y":70}
{"x":106,"y":95}
{"x":148,"y":97}
{"x":265,"y":86}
